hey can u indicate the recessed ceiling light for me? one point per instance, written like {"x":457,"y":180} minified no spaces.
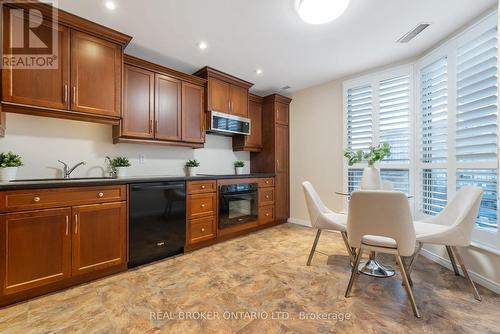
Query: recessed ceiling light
{"x":202,"y":45}
{"x":321,"y":11}
{"x":258,"y":71}
{"x":110,"y":5}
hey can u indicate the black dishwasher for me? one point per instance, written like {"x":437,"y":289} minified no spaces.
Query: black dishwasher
{"x":157,"y":221}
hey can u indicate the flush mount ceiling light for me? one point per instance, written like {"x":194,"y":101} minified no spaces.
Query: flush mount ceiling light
{"x":110,"y":5}
{"x":258,"y":71}
{"x":320,"y":11}
{"x":202,"y":45}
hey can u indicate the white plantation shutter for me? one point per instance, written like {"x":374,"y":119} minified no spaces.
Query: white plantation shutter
{"x":359,"y":117}
{"x":434,"y":110}
{"x":394,"y":126}
{"x":476,"y":138}
{"x":434,"y":192}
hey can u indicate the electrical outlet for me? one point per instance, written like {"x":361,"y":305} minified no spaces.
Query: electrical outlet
{"x":142,"y":159}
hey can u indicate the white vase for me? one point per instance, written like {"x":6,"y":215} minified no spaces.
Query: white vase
{"x":121,"y":172}
{"x":371,"y":179}
{"x":239,"y":170}
{"x":192,"y":171}
{"x":8,"y":173}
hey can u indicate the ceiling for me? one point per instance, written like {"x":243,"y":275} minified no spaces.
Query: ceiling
{"x":244,"y":35}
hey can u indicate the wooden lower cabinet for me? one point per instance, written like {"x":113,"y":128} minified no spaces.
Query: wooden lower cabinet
{"x":35,"y":249}
{"x":99,"y":237}
{"x":201,"y":229}
{"x":266,"y":214}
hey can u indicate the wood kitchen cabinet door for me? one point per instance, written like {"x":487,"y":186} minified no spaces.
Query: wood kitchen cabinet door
{"x":239,"y":101}
{"x":281,"y":111}
{"x":99,"y":236}
{"x":138,"y":102}
{"x":282,"y":148}
{"x":193,"y":114}
{"x":38,"y":87}
{"x":255,"y":115}
{"x":282,"y":197}
{"x":168,"y":112}
{"x":219,"y":95}
{"x":35,"y":249}
{"x":96,"y":67}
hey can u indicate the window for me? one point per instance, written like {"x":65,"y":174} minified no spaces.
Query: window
{"x":378,"y":111}
{"x":448,"y":138}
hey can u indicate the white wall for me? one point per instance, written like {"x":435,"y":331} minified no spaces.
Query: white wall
{"x":42,"y":141}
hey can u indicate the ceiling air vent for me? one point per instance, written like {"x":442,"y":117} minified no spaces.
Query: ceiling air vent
{"x":413,"y":33}
{"x":285,"y":88}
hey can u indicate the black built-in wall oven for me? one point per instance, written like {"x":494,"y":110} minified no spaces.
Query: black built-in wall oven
{"x":238,"y":204}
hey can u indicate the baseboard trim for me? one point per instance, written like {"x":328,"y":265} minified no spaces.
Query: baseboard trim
{"x":301,"y":222}
{"x":479,"y":279}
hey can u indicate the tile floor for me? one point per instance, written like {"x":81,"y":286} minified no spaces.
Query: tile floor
{"x":259,"y":284}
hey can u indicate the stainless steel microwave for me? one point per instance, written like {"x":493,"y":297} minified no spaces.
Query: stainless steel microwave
{"x":228,"y":124}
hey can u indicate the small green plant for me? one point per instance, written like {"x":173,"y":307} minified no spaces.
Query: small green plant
{"x":192,"y":163}
{"x":120,"y":162}
{"x":9,"y":159}
{"x":373,"y":154}
{"x":239,"y":163}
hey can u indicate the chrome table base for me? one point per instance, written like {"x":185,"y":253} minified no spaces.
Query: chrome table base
{"x":374,"y":268}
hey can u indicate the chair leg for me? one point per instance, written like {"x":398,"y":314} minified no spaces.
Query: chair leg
{"x":349,"y":249}
{"x":452,"y":259}
{"x":414,"y":258}
{"x":354,"y":272}
{"x":313,"y":249}
{"x":466,"y":273}
{"x":407,"y":286}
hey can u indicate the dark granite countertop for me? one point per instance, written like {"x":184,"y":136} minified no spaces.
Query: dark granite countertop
{"x":85,"y":182}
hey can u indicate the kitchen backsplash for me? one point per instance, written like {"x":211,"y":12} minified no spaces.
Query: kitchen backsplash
{"x":42,"y":141}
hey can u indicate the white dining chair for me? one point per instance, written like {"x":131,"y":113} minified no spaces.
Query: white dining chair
{"x":452,"y":228}
{"x":323,"y":218}
{"x":381,"y":221}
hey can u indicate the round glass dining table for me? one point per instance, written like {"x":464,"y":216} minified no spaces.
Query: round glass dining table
{"x":373,"y":267}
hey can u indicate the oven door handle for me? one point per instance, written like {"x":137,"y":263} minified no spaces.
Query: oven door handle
{"x":239,"y":193}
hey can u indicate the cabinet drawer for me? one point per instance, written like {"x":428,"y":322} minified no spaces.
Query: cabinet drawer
{"x":20,"y":200}
{"x":201,"y":205}
{"x":266,"y":196}
{"x":201,"y":229}
{"x":266,"y":182}
{"x":200,"y":187}
{"x":266,"y":214}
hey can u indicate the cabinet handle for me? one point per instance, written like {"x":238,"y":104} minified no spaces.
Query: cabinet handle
{"x":277,"y":163}
{"x":267,"y":214}
{"x":157,"y":126}
{"x":267,"y":196}
{"x":65,"y":93}
{"x":74,"y":94}
{"x":76,"y":224}
{"x":160,"y":243}
{"x":202,"y":187}
{"x":100,"y":195}
{"x":36,"y":199}
{"x":229,"y":105}
{"x":203,"y":229}
{"x":267,"y":182}
{"x":150,"y":126}
{"x":203,"y":205}
{"x":67,"y":225}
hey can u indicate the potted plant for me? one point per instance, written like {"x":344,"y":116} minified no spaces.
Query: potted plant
{"x":120,"y":166}
{"x":371,"y":175}
{"x":192,"y":166}
{"x":238,"y":166}
{"x":9,"y":163}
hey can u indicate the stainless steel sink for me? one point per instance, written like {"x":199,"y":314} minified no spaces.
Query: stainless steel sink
{"x":63,"y":179}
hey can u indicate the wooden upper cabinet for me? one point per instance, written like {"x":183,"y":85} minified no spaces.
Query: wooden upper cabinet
{"x":192,"y":113}
{"x":138,"y":102}
{"x":47,"y":88}
{"x":219,"y":96}
{"x":35,"y":248}
{"x":282,"y":114}
{"x":226,"y":93}
{"x":85,"y":85}
{"x":95,"y":75}
{"x":239,"y":101}
{"x":99,"y":237}
{"x":168,"y":110}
